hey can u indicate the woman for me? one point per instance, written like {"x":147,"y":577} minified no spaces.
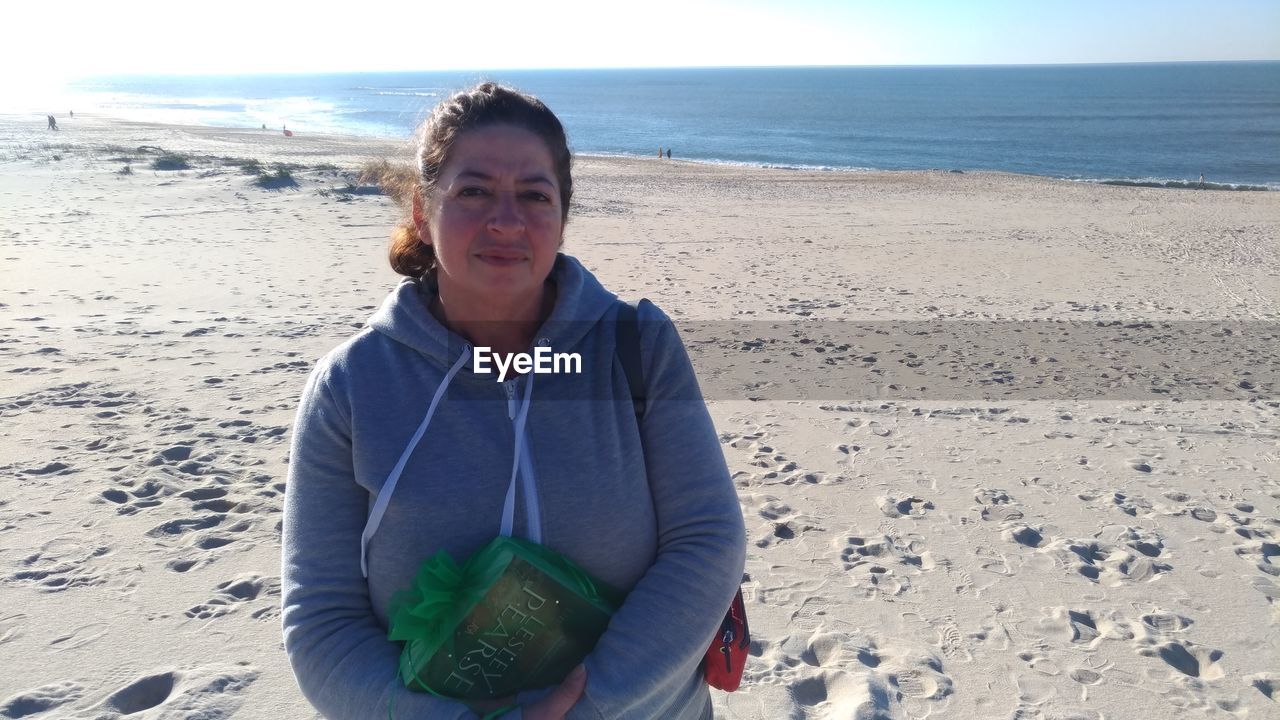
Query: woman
{"x":644,"y":504}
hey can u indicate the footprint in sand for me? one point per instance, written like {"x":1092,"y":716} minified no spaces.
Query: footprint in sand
{"x":79,"y":637}
{"x":175,"y":454}
{"x":179,"y":526}
{"x":879,"y":430}
{"x":1266,"y":683}
{"x":1188,"y":658}
{"x":204,"y":544}
{"x":61,"y":564}
{"x":880,"y":566}
{"x":743,"y":441}
{"x":235,"y":592}
{"x":1147,"y":542}
{"x":919,"y":675}
{"x":834,"y":694}
{"x":1107,"y":564}
{"x":42,"y":400}
{"x":896,"y":506}
{"x":296,"y":366}
{"x":1035,"y":688}
{"x":1133,"y":505}
{"x":996,"y":506}
{"x":1074,"y":627}
{"x":839,"y":650}
{"x":142,"y":694}
{"x":40,"y":700}
{"x":1142,"y":465}
{"x":950,"y":641}
{"x":993,"y":561}
{"x":782,"y":531}
{"x":790,"y":594}
{"x":135,"y":495}
{"x":1260,"y":547}
{"x":1271,"y":591}
{"x":782,"y":523}
{"x":1086,"y":675}
{"x":207,"y":691}
{"x":1026,"y":535}
{"x":847,"y":449}
{"x":811,"y":614}
{"x":776,"y":468}
{"x":52,"y":468}
{"x":11,"y":627}
{"x":1160,"y":622}
{"x":827,"y":675}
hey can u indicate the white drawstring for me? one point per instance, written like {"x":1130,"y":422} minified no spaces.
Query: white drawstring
{"x":388,"y":487}
{"x":533,"y":519}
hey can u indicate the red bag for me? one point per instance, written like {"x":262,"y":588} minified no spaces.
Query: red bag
{"x":727,"y":656}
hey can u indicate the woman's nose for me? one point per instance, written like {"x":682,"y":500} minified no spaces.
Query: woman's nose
{"x":507,"y":216}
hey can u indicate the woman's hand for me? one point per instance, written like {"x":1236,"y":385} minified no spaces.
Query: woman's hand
{"x":557,"y":704}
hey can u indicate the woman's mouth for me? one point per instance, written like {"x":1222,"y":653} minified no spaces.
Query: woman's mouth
{"x":500,"y":259}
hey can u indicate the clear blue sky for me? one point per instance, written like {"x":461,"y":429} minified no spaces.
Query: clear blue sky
{"x":76,"y":37}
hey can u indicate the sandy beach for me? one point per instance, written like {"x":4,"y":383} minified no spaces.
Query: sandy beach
{"x":1006,"y":446}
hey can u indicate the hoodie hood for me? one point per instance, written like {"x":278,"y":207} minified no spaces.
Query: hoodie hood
{"x":580,"y":303}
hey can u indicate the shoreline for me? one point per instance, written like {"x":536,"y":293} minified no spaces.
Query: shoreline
{"x":13,"y":121}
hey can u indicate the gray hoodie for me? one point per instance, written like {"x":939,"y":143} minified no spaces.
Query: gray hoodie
{"x":400,"y":450}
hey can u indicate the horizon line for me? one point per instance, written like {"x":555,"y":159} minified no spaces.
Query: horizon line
{"x":680,"y":67}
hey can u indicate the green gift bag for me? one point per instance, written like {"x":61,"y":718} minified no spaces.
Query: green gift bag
{"x":515,"y":616}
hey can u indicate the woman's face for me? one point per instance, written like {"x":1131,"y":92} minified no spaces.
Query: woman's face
{"x":494,"y":219}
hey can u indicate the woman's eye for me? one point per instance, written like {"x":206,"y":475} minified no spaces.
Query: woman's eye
{"x":538,"y":196}
{"x":471,"y":192}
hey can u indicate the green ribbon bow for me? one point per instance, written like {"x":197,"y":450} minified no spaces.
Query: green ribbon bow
{"x":426,"y":614}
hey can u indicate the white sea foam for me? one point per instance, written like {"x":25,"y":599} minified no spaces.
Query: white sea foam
{"x":406,"y":91}
{"x":733,"y":163}
{"x":218,"y":111}
{"x":410,"y":94}
{"x":1177,"y":183}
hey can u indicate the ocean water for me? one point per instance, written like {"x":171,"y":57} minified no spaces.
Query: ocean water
{"x":1142,"y":123}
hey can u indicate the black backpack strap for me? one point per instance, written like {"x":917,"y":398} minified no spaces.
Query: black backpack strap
{"x":628,"y":349}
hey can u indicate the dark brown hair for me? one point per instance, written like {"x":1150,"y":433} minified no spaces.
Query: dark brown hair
{"x":481,"y":106}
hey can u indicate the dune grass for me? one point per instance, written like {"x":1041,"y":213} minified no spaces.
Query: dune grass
{"x":171,"y":161}
{"x":282,"y":177}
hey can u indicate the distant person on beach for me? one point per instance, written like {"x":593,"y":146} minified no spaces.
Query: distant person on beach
{"x":1201,"y":185}
{"x":53,"y":122}
{"x":405,"y":445}
{"x":659,"y":153}
{"x":71,"y":113}
{"x":668,"y":153}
